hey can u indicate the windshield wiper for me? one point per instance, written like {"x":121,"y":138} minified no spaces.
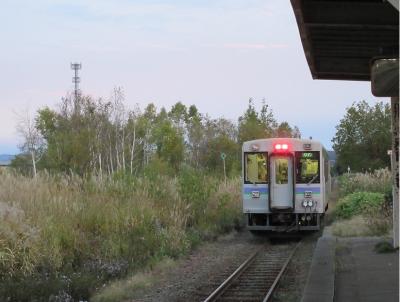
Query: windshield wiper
{"x":312,"y":179}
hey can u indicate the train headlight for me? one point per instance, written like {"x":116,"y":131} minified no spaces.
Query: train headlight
{"x":308,"y":217}
{"x":305,"y":203}
{"x":310,"y":203}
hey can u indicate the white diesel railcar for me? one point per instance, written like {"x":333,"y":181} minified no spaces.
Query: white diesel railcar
{"x":285,"y":184}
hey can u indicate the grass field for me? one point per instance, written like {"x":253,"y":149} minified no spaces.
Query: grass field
{"x":64,"y":236}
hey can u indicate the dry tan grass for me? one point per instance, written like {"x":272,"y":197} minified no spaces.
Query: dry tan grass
{"x":353,"y":227}
{"x":126,"y":289}
{"x":53,"y":222}
{"x":377,"y":181}
{"x":359,"y":226}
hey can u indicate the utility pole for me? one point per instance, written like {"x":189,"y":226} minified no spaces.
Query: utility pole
{"x":395,"y":168}
{"x":76,"y":80}
{"x":223,"y":156}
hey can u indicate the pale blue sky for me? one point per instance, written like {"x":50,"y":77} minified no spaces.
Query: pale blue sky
{"x":214,"y":54}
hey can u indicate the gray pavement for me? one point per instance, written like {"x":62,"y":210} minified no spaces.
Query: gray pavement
{"x":349,"y":270}
{"x":364,"y":275}
{"x":321,"y":278}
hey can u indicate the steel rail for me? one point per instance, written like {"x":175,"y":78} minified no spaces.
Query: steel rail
{"x":220,"y":290}
{"x":277,"y":279}
{"x":225,"y":286}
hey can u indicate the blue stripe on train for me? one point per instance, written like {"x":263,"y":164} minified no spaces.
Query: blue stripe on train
{"x":301,"y":190}
{"x":262,"y":190}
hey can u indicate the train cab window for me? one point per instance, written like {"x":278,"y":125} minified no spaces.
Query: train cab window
{"x":307,"y":167}
{"x":326,"y":170}
{"x":281,"y":171}
{"x":255,"y":168}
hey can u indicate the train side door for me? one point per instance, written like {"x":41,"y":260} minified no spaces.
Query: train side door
{"x":281,"y":168}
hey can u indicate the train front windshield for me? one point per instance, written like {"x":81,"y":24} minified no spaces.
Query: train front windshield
{"x":255,"y":168}
{"x":307,"y":167}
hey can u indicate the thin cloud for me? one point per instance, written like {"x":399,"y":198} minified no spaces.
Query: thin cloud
{"x":278,"y":46}
{"x":164,"y":47}
{"x":106,"y":8}
{"x":128,"y":8}
{"x":253,"y":46}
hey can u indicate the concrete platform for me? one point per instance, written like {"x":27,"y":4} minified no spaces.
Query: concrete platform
{"x":349,"y":270}
{"x":364,"y":275}
{"x":320,"y":286}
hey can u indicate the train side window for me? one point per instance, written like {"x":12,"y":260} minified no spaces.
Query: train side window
{"x":255,"y":168}
{"x":307,"y":167}
{"x":326,"y":170}
{"x":281,"y":171}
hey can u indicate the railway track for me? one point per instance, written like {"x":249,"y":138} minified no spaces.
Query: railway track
{"x":257,"y":277}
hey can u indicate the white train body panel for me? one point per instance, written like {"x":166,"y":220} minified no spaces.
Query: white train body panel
{"x":279,"y":176}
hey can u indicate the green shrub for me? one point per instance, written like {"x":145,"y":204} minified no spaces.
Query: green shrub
{"x":384,"y":247}
{"x":375,"y":209}
{"x":368,"y":195}
{"x":357,"y":203}
{"x":224,"y":211}
{"x":379,"y":219}
{"x":195,"y":189}
{"x":157,"y":167}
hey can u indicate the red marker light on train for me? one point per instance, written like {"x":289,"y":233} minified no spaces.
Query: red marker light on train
{"x":281,"y":147}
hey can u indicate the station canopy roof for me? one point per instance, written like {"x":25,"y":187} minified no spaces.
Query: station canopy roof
{"x":341,"y":37}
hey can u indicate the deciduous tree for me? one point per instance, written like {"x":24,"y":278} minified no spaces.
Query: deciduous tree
{"x":363,"y":137}
{"x":32,"y":141}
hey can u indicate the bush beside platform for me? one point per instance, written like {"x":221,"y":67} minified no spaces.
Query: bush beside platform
{"x":365,"y":205}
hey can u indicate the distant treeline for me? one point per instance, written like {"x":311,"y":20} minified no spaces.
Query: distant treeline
{"x":363,"y":138}
{"x":96,"y":136}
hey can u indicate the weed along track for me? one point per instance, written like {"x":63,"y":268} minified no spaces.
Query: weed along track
{"x":257,"y":277}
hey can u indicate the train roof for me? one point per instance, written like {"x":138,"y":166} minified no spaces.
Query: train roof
{"x":266,"y":143}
